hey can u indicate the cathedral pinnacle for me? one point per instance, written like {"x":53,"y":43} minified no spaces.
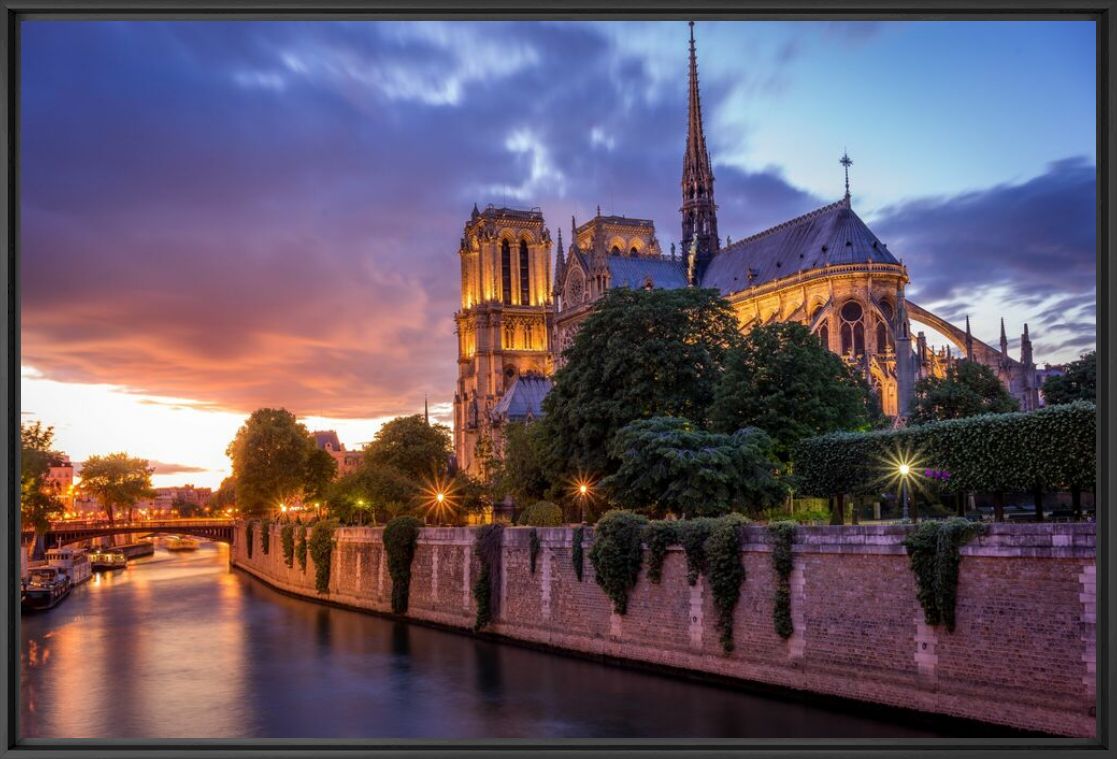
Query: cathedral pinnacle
{"x":698,"y":210}
{"x":846,"y":161}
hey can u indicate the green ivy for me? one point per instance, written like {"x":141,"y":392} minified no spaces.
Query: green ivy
{"x":725,"y":571}
{"x":576,"y":552}
{"x":783,"y":535}
{"x":265,"y":537}
{"x":300,"y":549}
{"x":659,"y":536}
{"x":487,"y":547}
{"x":693,"y":534}
{"x":617,"y":553}
{"x":533,"y":547}
{"x":400,"y":538}
{"x":249,"y":537}
{"x":287,"y":536}
{"x":933,"y":551}
{"x":321,"y":546}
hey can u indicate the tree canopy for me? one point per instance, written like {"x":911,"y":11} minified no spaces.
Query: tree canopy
{"x":968,"y":389}
{"x":522,"y":474}
{"x":117,"y":480}
{"x":38,"y":501}
{"x":639,"y":353}
{"x":668,"y":466}
{"x":412,"y":447}
{"x":1078,"y":383}
{"x":271,"y":454}
{"x":782,"y":380}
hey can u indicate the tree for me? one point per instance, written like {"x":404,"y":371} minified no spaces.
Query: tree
{"x":270,"y":455}
{"x":226,"y":495}
{"x":321,"y":469}
{"x":968,"y":389}
{"x":375,"y":492}
{"x":412,"y":447}
{"x":1078,"y":383}
{"x":639,"y":354}
{"x":782,"y":380}
{"x":668,"y":466}
{"x":38,"y":500}
{"x":522,"y":472}
{"x":117,"y":480}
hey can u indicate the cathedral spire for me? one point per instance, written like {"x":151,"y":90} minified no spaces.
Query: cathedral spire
{"x":699,"y":210}
{"x":846,"y":162}
{"x":1004,"y":339}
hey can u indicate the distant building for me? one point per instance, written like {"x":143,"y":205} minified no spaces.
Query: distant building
{"x":60,"y":481}
{"x":347,"y":461}
{"x":1048,"y":371}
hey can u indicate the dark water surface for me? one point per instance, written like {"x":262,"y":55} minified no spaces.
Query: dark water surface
{"x":179,"y":646}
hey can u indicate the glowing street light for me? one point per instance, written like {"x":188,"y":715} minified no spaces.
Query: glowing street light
{"x":583,"y":488}
{"x":905,"y":471}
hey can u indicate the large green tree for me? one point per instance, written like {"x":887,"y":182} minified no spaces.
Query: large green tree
{"x":967,"y":389}
{"x":375,"y":492}
{"x":412,"y":447}
{"x":270,"y":454}
{"x":38,"y":501}
{"x":1079,"y":383}
{"x":782,"y":380}
{"x":668,"y":466}
{"x":117,"y":480}
{"x":639,"y":354}
{"x":522,"y":473}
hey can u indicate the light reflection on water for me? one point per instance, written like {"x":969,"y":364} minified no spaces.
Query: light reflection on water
{"x":179,"y":646}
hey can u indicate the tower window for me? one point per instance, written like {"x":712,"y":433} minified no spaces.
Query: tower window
{"x":525,"y":281}
{"x":506,"y":270}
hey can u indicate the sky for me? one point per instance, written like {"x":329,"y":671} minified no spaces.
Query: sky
{"x":221,"y":216}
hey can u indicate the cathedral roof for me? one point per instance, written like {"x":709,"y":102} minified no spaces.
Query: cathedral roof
{"x":831,"y":235}
{"x":634,"y":271}
{"x":326,"y":439}
{"x":524,"y":400}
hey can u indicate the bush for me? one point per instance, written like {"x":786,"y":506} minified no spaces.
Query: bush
{"x":577,"y":550}
{"x":287,"y":537}
{"x":300,"y":549}
{"x":617,"y":553}
{"x":933,"y":551}
{"x":541,"y":514}
{"x":487,"y":547}
{"x":726,"y":572}
{"x":249,"y":537}
{"x":783,"y":535}
{"x":321,"y":545}
{"x":400,"y":537}
{"x":533,"y":547}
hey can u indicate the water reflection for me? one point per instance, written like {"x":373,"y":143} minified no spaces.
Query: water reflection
{"x":179,"y":646}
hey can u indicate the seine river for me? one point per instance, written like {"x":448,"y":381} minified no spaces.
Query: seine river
{"x":179,"y":646}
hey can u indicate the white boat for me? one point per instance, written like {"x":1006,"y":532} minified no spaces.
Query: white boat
{"x":72,"y":561}
{"x":107,"y":559}
{"x":175,"y":543}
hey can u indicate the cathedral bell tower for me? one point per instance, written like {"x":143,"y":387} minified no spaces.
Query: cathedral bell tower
{"x":504,"y":323}
{"x":700,"y":222}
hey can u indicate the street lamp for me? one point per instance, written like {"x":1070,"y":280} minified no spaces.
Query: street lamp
{"x":582,"y":488}
{"x":905,"y":471}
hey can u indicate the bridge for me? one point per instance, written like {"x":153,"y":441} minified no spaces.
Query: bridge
{"x":61,"y":533}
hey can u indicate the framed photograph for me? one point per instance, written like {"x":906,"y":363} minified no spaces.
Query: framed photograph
{"x":707,"y":380}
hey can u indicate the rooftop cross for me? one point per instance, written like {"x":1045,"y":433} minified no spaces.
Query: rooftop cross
{"x":846,"y":161}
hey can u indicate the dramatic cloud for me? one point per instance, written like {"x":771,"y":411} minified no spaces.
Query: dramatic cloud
{"x":248,"y":214}
{"x":162,"y":467}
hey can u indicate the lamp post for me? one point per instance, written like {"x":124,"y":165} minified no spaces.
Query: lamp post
{"x":905,"y":471}
{"x":583,"y":491}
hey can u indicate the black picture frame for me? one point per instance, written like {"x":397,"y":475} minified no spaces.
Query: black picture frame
{"x":1101,"y":11}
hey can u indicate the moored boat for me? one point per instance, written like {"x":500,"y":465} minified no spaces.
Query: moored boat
{"x":108,"y":559}
{"x":176,"y":543}
{"x":44,"y":588}
{"x":137,"y":549}
{"x":72,"y":561}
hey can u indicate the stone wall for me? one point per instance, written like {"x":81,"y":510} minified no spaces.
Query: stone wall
{"x":1022,"y":654}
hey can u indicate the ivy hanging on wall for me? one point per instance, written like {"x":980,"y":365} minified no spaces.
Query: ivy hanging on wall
{"x":400,"y":538}
{"x":693,"y":534}
{"x":725,"y":572}
{"x":933,"y":552}
{"x":576,"y":552}
{"x":533,"y":547}
{"x":659,"y":536}
{"x":321,"y":545}
{"x":300,"y":549}
{"x":249,"y":537}
{"x":487,"y":547}
{"x":617,"y":553}
{"x":265,"y":537}
{"x":783,"y":535}
{"x":287,"y":539}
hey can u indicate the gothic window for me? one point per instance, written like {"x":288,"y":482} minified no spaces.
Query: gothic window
{"x":858,"y":339}
{"x":634,"y":251}
{"x":616,"y":251}
{"x":506,"y":270}
{"x":853,"y":331}
{"x":851,"y":311}
{"x":525,"y":283}
{"x":575,"y":285}
{"x":847,"y":339}
{"x":509,"y":336}
{"x":882,"y":338}
{"x":824,"y":336}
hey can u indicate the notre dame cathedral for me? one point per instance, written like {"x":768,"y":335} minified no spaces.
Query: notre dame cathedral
{"x":825,"y":269}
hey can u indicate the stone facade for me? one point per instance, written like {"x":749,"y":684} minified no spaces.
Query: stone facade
{"x":1022,"y":654}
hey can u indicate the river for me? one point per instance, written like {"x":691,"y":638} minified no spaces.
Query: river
{"x":180,"y":646}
